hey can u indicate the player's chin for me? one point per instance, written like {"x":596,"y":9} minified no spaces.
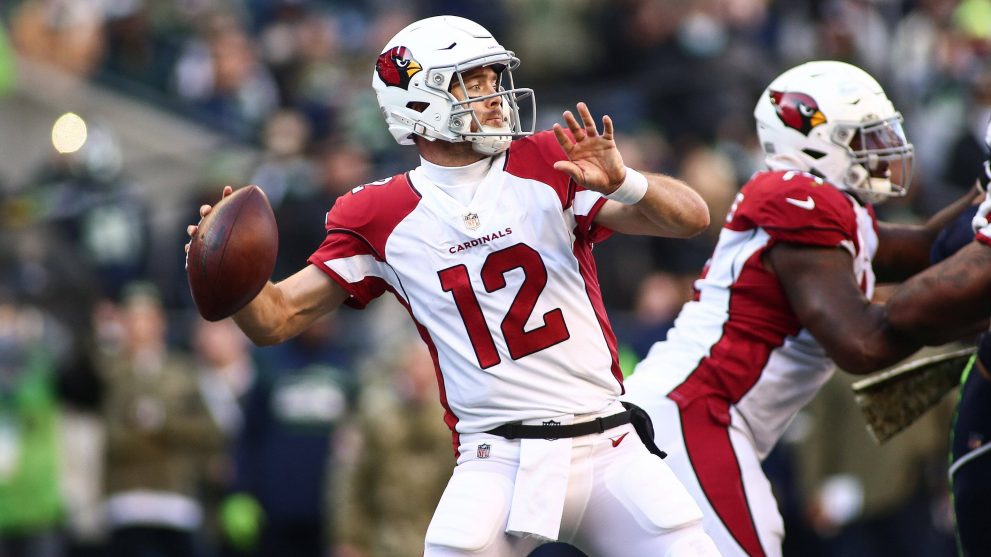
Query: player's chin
{"x":500,"y":128}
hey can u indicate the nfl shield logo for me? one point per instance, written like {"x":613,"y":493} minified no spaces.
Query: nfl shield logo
{"x":551,"y":423}
{"x":471,"y":221}
{"x":483,"y":450}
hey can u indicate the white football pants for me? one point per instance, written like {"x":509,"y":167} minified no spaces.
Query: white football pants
{"x":618,"y":501}
{"x":718,"y":464}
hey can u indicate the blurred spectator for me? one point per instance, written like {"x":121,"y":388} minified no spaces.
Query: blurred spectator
{"x":865,"y":500}
{"x":290,"y":180}
{"x":659,"y":299}
{"x":157,"y":429}
{"x":137,"y":51}
{"x":226,"y":371}
{"x":222,"y":78}
{"x":284,"y":168}
{"x":42,"y":270}
{"x":335,"y":168}
{"x":83,"y":434}
{"x":302,"y":46}
{"x":82,"y":442}
{"x":396,"y":461}
{"x":681,"y":58}
{"x":949,"y":99}
{"x":85,"y":197}
{"x":67,"y":34}
{"x":224,"y":357}
{"x":968,"y":151}
{"x":47,"y":277}
{"x":855,"y":30}
{"x":302,"y":391}
{"x":45,"y":290}
{"x":556,"y":34}
{"x":30,"y":501}
{"x":922,"y":43}
{"x":712,"y":175}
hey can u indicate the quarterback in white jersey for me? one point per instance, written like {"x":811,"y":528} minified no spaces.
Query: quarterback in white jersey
{"x":519,"y":251}
{"x":488,"y":245}
{"x":785,"y":294}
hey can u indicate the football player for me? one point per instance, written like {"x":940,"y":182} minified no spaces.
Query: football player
{"x":786,"y":293}
{"x":948,"y":300}
{"x":488,"y":246}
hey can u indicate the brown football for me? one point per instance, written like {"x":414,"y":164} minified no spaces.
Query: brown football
{"x":232,"y":254}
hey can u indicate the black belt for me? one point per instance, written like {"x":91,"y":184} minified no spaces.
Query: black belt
{"x":557,"y":431}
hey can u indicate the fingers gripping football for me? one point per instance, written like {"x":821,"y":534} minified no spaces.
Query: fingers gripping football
{"x":231,"y":252}
{"x":204,"y":211}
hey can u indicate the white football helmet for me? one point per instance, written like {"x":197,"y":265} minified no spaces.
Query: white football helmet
{"x":414,"y":73}
{"x":833,"y":120}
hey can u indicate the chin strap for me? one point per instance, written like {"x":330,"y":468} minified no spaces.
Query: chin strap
{"x":491,"y":144}
{"x":870,"y":189}
{"x":494,"y":144}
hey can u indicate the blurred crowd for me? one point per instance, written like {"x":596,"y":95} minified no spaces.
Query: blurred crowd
{"x":129,"y":425}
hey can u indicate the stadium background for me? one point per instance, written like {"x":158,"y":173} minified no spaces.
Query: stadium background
{"x":180,"y":97}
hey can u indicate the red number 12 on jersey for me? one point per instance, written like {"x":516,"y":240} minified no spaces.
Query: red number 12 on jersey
{"x":520,"y":343}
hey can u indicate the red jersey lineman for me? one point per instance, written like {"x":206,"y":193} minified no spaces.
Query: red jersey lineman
{"x":785,"y":295}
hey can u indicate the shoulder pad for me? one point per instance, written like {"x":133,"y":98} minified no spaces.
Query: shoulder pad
{"x":533,"y":158}
{"x":371,"y":211}
{"x":796,"y":207}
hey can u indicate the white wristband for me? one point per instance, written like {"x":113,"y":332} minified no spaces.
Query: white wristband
{"x":632,"y":190}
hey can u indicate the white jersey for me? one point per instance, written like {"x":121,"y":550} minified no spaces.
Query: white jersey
{"x":503,"y":290}
{"x":739,"y":341}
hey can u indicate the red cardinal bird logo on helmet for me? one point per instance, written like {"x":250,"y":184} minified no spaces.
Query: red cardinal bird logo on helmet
{"x":797,"y":110}
{"x":397,"y":66}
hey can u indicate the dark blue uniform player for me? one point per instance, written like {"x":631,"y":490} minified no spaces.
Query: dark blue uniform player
{"x":970,"y":455}
{"x":970,"y":441}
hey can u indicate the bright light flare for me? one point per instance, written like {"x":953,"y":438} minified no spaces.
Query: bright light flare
{"x":69,"y":133}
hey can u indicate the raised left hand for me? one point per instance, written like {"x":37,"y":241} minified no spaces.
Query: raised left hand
{"x":594,"y":160}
